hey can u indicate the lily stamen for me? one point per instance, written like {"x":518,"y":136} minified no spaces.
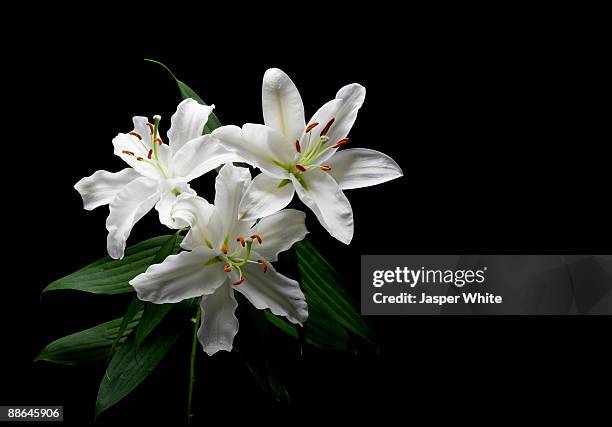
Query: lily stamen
{"x":150,"y":154}
{"x":224,"y":248}
{"x":325,"y":168}
{"x":129,"y":153}
{"x":159,"y":140}
{"x":151,"y":128}
{"x":139,"y":158}
{"x":241,"y":240}
{"x":311,"y":126}
{"x":257,"y":237}
{"x":264,"y":265}
{"x":301,"y":168}
{"x":340,"y":143}
{"x":227,"y":268}
{"x":239,"y":281}
{"x":136,"y":134}
{"x":297,"y":146}
{"x":327,"y":126}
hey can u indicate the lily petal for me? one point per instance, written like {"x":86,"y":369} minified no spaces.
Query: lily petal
{"x":194,"y":212}
{"x":259,"y":145}
{"x":264,"y":197}
{"x":179,"y":277}
{"x":282,"y":104}
{"x":325,"y":198}
{"x":168,"y":198}
{"x":141,"y":127}
{"x":343,"y":110}
{"x":219,"y":323}
{"x":102,"y":187}
{"x":199,"y":156}
{"x":130,"y":148}
{"x":129,"y":205}
{"x":230,"y":185}
{"x":279,"y":232}
{"x":187,"y":123}
{"x":272,"y":290}
{"x":361,"y":167}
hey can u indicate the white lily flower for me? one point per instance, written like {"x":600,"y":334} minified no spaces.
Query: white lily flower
{"x":295,"y":157}
{"x":158,"y":172}
{"x":226,"y":254}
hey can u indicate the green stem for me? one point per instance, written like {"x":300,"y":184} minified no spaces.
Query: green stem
{"x":194,"y":347}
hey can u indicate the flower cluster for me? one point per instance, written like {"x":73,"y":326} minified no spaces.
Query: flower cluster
{"x":231,"y":245}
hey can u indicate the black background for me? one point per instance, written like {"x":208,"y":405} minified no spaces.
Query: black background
{"x":495,"y":122}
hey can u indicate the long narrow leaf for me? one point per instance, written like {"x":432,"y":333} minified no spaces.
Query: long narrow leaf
{"x":132,"y":363}
{"x":154,"y":313}
{"x":321,"y":285}
{"x":111,"y":276}
{"x":187,"y":92}
{"x":88,"y":346}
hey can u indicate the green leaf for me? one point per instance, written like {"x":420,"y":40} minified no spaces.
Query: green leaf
{"x":111,"y":276}
{"x":254,"y":347}
{"x":134,"y":308}
{"x":186,"y":92}
{"x":88,"y":346}
{"x":132,"y":363}
{"x":323,"y":291}
{"x":319,"y":330}
{"x":154,"y":313}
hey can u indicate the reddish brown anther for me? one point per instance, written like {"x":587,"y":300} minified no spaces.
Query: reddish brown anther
{"x":227,"y":268}
{"x":224,"y":248}
{"x":241,"y":240}
{"x":139,"y":158}
{"x":301,"y":168}
{"x":325,"y":168}
{"x":311,"y":126}
{"x":129,"y":153}
{"x":297,"y":146}
{"x":239,"y":281}
{"x":151,"y":128}
{"x":136,"y":134}
{"x":340,"y":143}
{"x":327,"y":126}
{"x":159,"y":140}
{"x":257,"y":237}
{"x":150,"y":154}
{"x":264,"y":265}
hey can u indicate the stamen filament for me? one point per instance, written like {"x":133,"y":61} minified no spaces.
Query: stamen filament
{"x":155,"y":131}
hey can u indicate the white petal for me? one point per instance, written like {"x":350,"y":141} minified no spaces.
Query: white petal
{"x":141,"y":127}
{"x":279,"y":232}
{"x":360,"y":167}
{"x":230,"y":185}
{"x":264,"y":197}
{"x":325,"y":198}
{"x":167,"y":200}
{"x":129,"y":205}
{"x":130,"y":148}
{"x":102,"y":187}
{"x":179,"y":277}
{"x":219,"y":323}
{"x":187,"y":123}
{"x":272,"y":290}
{"x":282,"y":105}
{"x":258,"y":145}
{"x":343,"y":110}
{"x":194,"y":212}
{"x":199,"y":156}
